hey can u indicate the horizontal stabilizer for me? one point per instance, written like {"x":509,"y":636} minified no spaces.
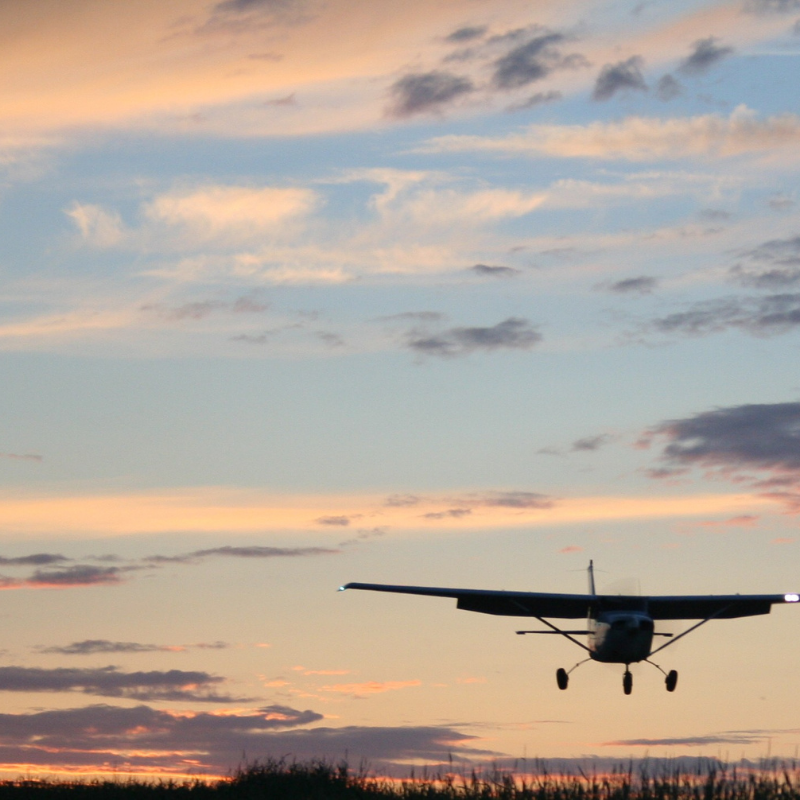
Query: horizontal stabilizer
{"x":561,"y":633}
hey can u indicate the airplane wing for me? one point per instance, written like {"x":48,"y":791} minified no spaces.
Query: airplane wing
{"x":575,"y":606}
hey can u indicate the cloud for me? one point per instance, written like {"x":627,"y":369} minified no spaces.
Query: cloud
{"x":772,"y":6}
{"x":532,"y":61}
{"x":668,"y":88}
{"x":775,"y":264}
{"x":110,"y":682}
{"x":739,"y":521}
{"x":401,"y":500}
{"x":35,"y":560}
{"x":450,"y":513}
{"x":590,"y":443}
{"x":688,"y":741}
{"x":467,"y":34}
{"x":92,"y":646}
{"x":333,"y":520}
{"x":494,"y":272}
{"x":781,"y":201}
{"x":217,"y":209}
{"x":513,"y":333}
{"x":245,"y":6}
{"x":144,"y":738}
{"x":764,"y":316}
{"x":79,"y":575}
{"x":766,"y":436}
{"x":98,"y":227}
{"x":641,"y":138}
{"x":197,"y":310}
{"x":705,"y":53}
{"x":643,"y":284}
{"x":202,"y":309}
{"x":251,"y":551}
{"x":361,"y":690}
{"x":622,"y":76}
{"x":735,"y":442}
{"x":516,"y":499}
{"x":22,"y":457}
{"x":537,"y":99}
{"x":422,"y":92}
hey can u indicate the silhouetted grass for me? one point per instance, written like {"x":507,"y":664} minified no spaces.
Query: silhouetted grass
{"x":320,"y":780}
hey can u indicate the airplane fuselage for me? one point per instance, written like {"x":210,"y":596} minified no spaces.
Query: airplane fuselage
{"x":620,"y":637}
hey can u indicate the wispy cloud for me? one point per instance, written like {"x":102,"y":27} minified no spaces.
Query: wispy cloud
{"x":513,"y":333}
{"x":68,"y":577}
{"x":175,"y":685}
{"x":641,"y":138}
{"x":771,"y":315}
{"x":92,"y":646}
{"x":359,"y":690}
{"x":772,"y":265}
{"x":643,"y":284}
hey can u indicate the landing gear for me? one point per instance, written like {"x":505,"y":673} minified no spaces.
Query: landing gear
{"x":562,"y":678}
{"x":627,"y":681}
{"x":672,"y":680}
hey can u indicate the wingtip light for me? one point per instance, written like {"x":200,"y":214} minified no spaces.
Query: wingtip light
{"x":341,"y":588}
{"x":792,"y":598}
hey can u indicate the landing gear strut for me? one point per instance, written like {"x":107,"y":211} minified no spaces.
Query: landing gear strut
{"x":562,"y":675}
{"x":670,"y":678}
{"x":627,"y":681}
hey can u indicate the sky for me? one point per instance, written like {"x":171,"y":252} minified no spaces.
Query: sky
{"x":463,"y":293}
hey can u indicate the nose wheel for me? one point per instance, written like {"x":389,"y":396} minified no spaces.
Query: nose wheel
{"x":562,"y":678}
{"x":627,"y":681}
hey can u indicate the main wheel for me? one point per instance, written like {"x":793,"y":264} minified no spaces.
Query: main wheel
{"x":672,"y":680}
{"x":562,"y":679}
{"x":627,"y":682}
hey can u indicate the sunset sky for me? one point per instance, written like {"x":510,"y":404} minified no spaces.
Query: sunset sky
{"x":459,"y":293}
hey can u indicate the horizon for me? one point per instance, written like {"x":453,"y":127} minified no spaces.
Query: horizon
{"x":301,"y":293}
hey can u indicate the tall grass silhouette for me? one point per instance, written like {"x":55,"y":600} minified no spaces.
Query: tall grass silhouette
{"x":321,"y":780}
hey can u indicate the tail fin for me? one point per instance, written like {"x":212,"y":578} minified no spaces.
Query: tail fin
{"x":591,"y":578}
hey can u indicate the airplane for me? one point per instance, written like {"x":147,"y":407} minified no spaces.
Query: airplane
{"x":620,"y":628}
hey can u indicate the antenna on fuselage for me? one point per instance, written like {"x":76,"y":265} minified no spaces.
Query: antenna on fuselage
{"x":591,"y":578}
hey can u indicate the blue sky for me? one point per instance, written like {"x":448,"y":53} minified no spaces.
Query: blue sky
{"x":464,"y":293}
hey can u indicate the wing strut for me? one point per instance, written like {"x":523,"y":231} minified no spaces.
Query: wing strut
{"x":689,"y":630}
{"x":555,"y":629}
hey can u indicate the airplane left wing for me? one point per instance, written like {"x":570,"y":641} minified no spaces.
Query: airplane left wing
{"x":507,"y":604}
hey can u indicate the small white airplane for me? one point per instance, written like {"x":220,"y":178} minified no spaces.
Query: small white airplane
{"x":620,"y":628}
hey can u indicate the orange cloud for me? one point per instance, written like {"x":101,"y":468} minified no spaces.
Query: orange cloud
{"x":222,"y":509}
{"x":369,"y":687}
